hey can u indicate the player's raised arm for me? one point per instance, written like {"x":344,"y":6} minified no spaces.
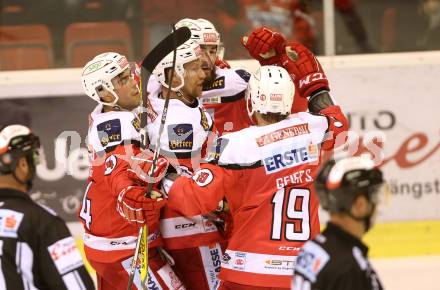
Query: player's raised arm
{"x":271,"y":48}
{"x":201,"y":193}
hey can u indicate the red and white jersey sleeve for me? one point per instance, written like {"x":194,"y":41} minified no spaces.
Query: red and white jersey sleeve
{"x":266,"y":174}
{"x":337,"y":126}
{"x":206,"y":189}
{"x":112,"y":139}
{"x":225,"y":100}
{"x":184,"y":138}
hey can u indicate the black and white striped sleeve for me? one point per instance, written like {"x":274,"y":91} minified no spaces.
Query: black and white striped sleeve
{"x":61,"y":262}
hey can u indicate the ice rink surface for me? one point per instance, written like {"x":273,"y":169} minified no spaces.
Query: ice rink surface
{"x":409,"y":273}
{"x":389,"y":247}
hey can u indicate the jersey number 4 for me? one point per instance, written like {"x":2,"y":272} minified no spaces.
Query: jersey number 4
{"x":86,"y":208}
{"x":292,"y":219}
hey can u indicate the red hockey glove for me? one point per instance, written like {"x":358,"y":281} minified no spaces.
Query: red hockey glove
{"x":265,"y":45}
{"x":137,"y":209}
{"x":141,"y":165}
{"x":304,"y":68}
{"x":270,"y":48}
{"x":221,"y":63}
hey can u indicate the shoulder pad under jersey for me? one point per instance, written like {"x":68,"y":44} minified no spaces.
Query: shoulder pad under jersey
{"x":110,"y":129}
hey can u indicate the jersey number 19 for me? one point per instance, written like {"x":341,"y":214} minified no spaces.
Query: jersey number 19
{"x":292,"y":219}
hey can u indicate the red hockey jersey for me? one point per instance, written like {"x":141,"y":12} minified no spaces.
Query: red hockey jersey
{"x":266,"y":175}
{"x":113,"y":138}
{"x":184,"y":138}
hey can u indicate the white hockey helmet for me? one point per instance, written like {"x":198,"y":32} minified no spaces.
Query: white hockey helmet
{"x":99,"y":73}
{"x":187,"y":52}
{"x":270,"y":90}
{"x":202,"y":31}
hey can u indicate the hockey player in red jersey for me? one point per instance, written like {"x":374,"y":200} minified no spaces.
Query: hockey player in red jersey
{"x":223,"y":88}
{"x":265,"y":172}
{"x":192,"y":242}
{"x":114,"y":206}
{"x":271,"y":48}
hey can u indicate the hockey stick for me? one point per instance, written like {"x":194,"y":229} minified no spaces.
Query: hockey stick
{"x":167,"y":45}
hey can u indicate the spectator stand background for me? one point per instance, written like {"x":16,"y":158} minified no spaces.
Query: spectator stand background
{"x":134,"y":26}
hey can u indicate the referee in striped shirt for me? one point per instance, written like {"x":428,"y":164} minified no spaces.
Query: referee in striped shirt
{"x":37,"y":250}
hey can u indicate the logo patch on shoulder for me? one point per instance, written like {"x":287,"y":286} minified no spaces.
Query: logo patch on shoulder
{"x":10,"y":221}
{"x":311,"y":260}
{"x":180,"y":136}
{"x":109,"y":131}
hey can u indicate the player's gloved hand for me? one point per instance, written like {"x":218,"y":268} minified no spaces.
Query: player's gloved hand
{"x":270,"y":48}
{"x":138,"y":209}
{"x":265,"y":45}
{"x":304,"y":68}
{"x":141,"y":166}
{"x":221,"y":63}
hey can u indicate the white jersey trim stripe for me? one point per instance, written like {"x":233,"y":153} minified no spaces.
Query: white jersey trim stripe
{"x":186,"y":226}
{"x":112,"y":244}
{"x":259,"y":263}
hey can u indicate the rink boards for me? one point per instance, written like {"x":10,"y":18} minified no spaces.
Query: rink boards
{"x":389,"y":98}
